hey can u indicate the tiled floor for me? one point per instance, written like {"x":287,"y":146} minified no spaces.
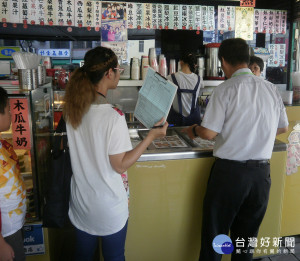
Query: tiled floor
{"x":294,"y":256}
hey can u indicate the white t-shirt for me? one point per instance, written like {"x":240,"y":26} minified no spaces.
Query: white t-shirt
{"x":246,"y":112}
{"x":186,"y":81}
{"x":98,"y":201}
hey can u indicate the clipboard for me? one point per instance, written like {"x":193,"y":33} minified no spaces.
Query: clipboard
{"x":155,"y":99}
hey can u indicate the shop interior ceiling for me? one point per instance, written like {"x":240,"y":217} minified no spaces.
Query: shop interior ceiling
{"x":43,"y":33}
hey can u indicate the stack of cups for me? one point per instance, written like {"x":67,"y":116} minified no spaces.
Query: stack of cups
{"x":172,"y":66}
{"x":135,"y":69}
{"x":163,"y":67}
{"x":152,"y":59}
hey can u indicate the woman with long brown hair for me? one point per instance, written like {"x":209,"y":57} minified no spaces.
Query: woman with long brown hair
{"x":101,"y":152}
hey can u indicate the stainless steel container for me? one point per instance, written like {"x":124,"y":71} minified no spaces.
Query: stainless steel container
{"x":41,"y":74}
{"x":201,"y":68}
{"x":213,"y":65}
{"x":28,"y":79}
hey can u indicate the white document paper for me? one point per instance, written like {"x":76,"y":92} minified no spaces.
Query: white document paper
{"x":155,"y":99}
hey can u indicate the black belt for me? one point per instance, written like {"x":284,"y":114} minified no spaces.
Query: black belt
{"x":248,"y":162}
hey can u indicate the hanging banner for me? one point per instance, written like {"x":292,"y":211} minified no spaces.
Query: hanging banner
{"x":222,"y":18}
{"x":4,"y":7}
{"x":277,"y":21}
{"x":271,"y":26}
{"x":51,"y":12}
{"x":257,"y":21}
{"x":97,"y":14}
{"x":20,"y":123}
{"x":226,"y":17}
{"x":176,"y":17}
{"x":160,"y":16}
{"x":154,"y":16}
{"x":41,"y":14}
{"x":167,"y":17}
{"x":131,"y":17}
{"x":283,"y":22}
{"x":211,"y":18}
{"x":79,"y":13}
{"x":191,"y":17}
{"x":14,"y":11}
{"x":88,"y":14}
{"x":197,"y":17}
{"x":277,"y":55}
{"x":204,"y":18}
{"x":184,"y":16}
{"x":33,"y":12}
{"x":139,"y":15}
{"x":148,"y":16}
{"x":230,"y":12}
{"x":24,"y":12}
{"x":244,"y":22}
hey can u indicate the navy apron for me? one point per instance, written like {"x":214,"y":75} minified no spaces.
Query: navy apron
{"x":177,"y":118}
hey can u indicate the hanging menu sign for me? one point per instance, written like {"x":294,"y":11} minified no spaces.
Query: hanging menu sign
{"x":160,"y":16}
{"x":154,"y":16}
{"x":204,"y":18}
{"x":191,"y":18}
{"x":277,"y":55}
{"x":79,"y":13}
{"x":131,"y":17}
{"x":97,"y":15}
{"x":222,"y":25}
{"x":148,"y":16}
{"x":257,"y":21}
{"x":271,"y":27}
{"x":277,"y":21}
{"x":33,"y":13}
{"x":139,"y":15}
{"x":69,"y":12}
{"x":176,"y":17}
{"x":230,"y":14}
{"x":226,"y":17}
{"x":41,"y":12}
{"x":244,"y":22}
{"x":88,"y":14}
{"x":14,"y":11}
{"x":20,"y":123}
{"x":24,"y":12}
{"x":283,"y":22}
{"x":4,"y":10}
{"x":184,"y":16}
{"x":60,"y":13}
{"x":211,"y":18}
{"x":167,"y":16}
{"x":197,"y":17}
{"x":50,"y":13}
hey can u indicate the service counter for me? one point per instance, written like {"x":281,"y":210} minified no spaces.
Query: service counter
{"x":167,"y":188}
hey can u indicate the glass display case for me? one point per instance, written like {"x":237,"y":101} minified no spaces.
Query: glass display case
{"x":30,"y":135}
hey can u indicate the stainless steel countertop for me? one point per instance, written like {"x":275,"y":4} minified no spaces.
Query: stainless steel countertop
{"x":190,"y":152}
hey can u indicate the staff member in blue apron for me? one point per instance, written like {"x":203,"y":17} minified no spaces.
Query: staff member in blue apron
{"x":185,"y":110}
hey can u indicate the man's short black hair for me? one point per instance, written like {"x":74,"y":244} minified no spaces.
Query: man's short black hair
{"x":258,"y":61}
{"x":3,"y":100}
{"x":235,"y":51}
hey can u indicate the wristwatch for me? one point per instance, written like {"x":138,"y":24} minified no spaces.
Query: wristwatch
{"x":194,"y":130}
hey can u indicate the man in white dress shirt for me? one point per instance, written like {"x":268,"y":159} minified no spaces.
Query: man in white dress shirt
{"x":244,"y":115}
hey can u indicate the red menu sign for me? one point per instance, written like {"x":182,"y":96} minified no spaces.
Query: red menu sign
{"x":20,"y":123}
{"x":249,"y":3}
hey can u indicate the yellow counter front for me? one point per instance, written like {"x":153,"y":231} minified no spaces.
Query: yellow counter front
{"x":166,"y":208}
{"x":290,"y":223}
